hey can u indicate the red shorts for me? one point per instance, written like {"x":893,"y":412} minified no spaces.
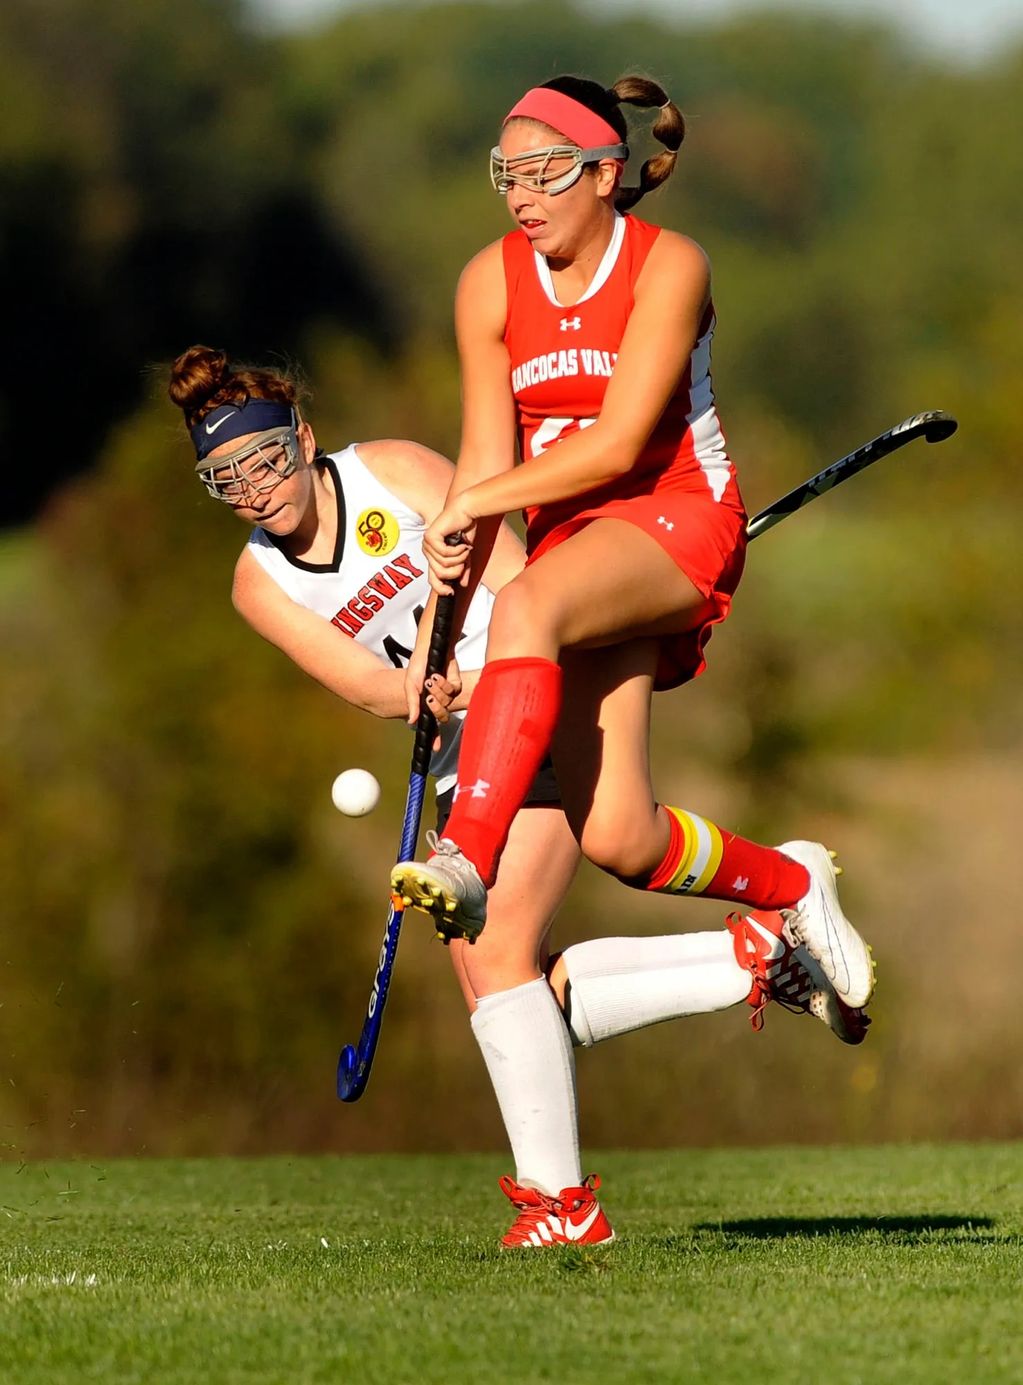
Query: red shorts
{"x":705,"y":538}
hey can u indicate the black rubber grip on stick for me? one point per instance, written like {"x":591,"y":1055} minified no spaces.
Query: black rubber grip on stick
{"x":436,"y":659}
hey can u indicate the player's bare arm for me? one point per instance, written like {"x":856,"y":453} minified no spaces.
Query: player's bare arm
{"x":335,"y":661}
{"x":488,"y":422}
{"x":488,"y":410}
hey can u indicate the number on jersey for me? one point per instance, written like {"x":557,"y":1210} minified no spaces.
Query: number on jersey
{"x":553,"y":430}
{"x":397,"y":653}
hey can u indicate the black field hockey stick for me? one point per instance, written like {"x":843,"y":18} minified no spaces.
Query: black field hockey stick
{"x":934,"y":426}
{"x":356,"y":1060}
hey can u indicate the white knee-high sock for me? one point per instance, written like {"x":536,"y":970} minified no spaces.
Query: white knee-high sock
{"x":616,"y":985}
{"x":528,"y":1052}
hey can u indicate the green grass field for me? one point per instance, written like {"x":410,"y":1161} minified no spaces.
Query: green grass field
{"x":839,"y":1265}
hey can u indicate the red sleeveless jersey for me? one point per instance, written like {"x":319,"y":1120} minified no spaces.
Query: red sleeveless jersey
{"x":563,"y":357}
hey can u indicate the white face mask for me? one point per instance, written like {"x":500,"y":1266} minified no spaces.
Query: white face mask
{"x":550,"y":170}
{"x":254,"y":468}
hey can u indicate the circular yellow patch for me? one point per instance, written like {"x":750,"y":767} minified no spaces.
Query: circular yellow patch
{"x":377,"y":532}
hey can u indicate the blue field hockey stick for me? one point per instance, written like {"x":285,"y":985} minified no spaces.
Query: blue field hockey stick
{"x":356,"y":1060}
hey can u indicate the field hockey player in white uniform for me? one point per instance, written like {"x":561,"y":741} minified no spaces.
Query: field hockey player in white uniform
{"x":334,"y":575}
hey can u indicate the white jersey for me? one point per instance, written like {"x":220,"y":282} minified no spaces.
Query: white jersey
{"x":375,"y":587}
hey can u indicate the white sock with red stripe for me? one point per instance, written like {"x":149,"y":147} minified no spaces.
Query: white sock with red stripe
{"x":616,"y":985}
{"x":528,"y":1052}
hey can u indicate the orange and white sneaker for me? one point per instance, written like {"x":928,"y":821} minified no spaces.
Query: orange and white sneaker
{"x":790,"y":976}
{"x":573,"y":1218}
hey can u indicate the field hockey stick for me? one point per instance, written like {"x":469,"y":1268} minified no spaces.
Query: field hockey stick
{"x":356,"y":1060}
{"x":934,"y":426}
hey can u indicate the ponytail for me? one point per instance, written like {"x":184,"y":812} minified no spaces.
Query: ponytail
{"x":669,"y":128}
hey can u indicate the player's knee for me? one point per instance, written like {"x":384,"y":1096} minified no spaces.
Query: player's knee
{"x":519,"y":618}
{"x":500,"y":960}
{"x":616,"y":845}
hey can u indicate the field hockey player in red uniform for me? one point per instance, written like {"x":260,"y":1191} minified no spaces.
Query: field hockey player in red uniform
{"x":584,"y":337}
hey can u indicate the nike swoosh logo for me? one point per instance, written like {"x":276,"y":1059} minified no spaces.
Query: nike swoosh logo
{"x":777,"y":947}
{"x":575,"y":1231}
{"x":212,"y":427}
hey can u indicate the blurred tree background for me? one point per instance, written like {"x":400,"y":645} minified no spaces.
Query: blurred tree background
{"x":188,"y":928}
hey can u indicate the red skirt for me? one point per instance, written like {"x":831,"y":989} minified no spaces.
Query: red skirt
{"x":705,"y":538}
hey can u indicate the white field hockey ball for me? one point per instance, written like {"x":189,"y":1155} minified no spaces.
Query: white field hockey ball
{"x":355,"y":792}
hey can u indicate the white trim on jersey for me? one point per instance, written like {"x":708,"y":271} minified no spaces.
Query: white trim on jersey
{"x":708,"y":440}
{"x":607,"y":263}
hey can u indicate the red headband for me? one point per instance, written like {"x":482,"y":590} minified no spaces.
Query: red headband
{"x":570,"y":117}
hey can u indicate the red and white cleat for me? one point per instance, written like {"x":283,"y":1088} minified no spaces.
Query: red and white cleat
{"x":790,"y":976}
{"x":573,"y":1218}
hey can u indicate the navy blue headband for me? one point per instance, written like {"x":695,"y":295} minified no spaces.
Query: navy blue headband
{"x":229,"y":421}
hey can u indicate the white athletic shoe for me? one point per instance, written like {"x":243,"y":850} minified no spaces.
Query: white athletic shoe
{"x":846,"y":1023}
{"x":818,"y":924}
{"x":447,"y":887}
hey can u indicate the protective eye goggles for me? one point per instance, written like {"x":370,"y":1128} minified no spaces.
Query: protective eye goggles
{"x":255,"y":468}
{"x":506,"y":173}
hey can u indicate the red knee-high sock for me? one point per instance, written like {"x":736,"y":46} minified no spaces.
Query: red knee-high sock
{"x":702,"y":859}
{"x":507,"y":733}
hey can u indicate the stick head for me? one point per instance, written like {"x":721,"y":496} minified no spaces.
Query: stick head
{"x":349,"y":1087}
{"x":937,"y":425}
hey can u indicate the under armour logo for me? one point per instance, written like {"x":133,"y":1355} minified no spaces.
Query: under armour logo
{"x":669,"y":525}
{"x":477,"y":790}
{"x":570,"y":324}
{"x":741,"y":882}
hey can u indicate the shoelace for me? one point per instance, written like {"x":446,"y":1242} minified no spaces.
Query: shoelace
{"x":545,"y":1204}
{"x":794,"y":976}
{"x":440,"y":846}
{"x":529,"y":1218}
{"x":530,"y":1213}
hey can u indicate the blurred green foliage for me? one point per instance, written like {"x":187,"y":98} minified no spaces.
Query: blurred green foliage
{"x":188,"y":929}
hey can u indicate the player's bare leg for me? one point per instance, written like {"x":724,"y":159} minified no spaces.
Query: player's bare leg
{"x":610,"y":986}
{"x":537,"y":868}
{"x":607,"y":584}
